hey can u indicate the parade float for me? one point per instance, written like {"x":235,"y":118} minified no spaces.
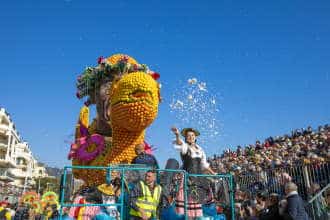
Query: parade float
{"x":126,"y":95}
{"x":49,"y":198}
{"x":31,"y":199}
{"x":37,"y":204}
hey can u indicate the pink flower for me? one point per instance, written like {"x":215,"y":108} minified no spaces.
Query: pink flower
{"x":124,"y":59}
{"x":136,"y":67}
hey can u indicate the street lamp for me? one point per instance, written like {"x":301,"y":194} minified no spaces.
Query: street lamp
{"x":39,"y":184}
{"x":49,"y":184}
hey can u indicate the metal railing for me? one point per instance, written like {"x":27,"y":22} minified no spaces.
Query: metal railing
{"x":273,"y":180}
{"x":317,"y":207}
{"x":125,"y":175}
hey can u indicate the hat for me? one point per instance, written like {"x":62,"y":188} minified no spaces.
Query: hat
{"x":106,"y":189}
{"x":4,"y":203}
{"x":140,"y":147}
{"x":186,"y":130}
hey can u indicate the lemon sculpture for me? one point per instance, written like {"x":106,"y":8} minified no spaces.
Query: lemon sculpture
{"x":126,"y":95}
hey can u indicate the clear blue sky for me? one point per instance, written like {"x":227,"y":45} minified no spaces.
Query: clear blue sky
{"x":268,"y":59}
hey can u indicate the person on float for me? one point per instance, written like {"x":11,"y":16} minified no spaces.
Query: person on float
{"x":147,"y":198}
{"x":110,"y":193}
{"x":194,"y":162}
{"x":144,"y":158}
{"x":192,"y":155}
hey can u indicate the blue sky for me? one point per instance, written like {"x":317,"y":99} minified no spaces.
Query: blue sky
{"x":268,"y":59}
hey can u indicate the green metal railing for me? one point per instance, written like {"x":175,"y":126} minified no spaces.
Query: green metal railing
{"x":317,"y":207}
{"x":123,"y":169}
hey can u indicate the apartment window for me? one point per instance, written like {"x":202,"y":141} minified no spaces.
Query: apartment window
{"x":20,"y":161}
{"x":3,"y":139}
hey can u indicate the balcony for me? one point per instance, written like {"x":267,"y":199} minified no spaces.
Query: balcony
{"x":18,"y":173}
{"x":3,"y":175}
{"x":21,"y":166}
{"x":3,"y":146}
{"x":10,"y":163}
{"x":3,"y":128}
{"x":25,"y":155}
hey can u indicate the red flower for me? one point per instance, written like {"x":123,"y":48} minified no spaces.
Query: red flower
{"x":100,"y":59}
{"x":155,"y":75}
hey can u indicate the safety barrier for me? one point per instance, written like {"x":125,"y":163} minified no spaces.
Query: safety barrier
{"x":209,"y":190}
{"x":318,"y":207}
{"x":273,"y":180}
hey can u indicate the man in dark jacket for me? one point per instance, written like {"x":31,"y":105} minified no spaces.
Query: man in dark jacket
{"x":22,"y":212}
{"x":295,"y":209}
{"x":144,"y":158}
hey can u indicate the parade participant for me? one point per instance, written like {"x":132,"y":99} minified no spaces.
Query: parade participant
{"x":194,"y":162}
{"x":295,"y":206}
{"x":192,"y":155}
{"x":146,"y":198}
{"x":4,"y":212}
{"x":143,"y":158}
{"x":110,"y":195}
{"x":22,"y":212}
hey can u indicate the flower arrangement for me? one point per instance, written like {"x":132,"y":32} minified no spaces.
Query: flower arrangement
{"x":110,"y":68}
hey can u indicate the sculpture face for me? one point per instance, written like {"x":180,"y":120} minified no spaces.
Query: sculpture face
{"x":134,"y":101}
{"x":102,"y":101}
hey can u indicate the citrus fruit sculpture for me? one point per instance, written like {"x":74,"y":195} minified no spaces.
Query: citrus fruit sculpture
{"x":126,"y":95}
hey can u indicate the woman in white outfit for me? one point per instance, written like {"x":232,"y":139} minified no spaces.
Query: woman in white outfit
{"x":194,"y":162}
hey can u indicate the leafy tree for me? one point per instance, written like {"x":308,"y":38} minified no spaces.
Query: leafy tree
{"x":45,"y":184}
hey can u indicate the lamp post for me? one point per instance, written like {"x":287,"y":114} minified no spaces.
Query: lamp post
{"x":39,"y":184}
{"x":49,"y":184}
{"x":25,"y":183}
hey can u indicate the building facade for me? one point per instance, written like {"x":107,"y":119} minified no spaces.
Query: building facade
{"x":18,"y":167}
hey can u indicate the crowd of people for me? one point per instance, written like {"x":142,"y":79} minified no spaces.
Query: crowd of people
{"x":272,"y":206}
{"x":21,"y":211}
{"x":263,"y":171}
{"x":303,"y":146}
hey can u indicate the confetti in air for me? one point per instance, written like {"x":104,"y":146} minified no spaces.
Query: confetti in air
{"x":202,"y":86}
{"x":192,"y":81}
{"x":196,"y":104}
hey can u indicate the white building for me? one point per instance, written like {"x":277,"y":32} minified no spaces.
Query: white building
{"x":18,"y":168}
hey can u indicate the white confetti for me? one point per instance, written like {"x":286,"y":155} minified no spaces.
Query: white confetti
{"x":192,"y":81}
{"x":202,"y":86}
{"x":192,"y":105}
{"x":178,"y":104}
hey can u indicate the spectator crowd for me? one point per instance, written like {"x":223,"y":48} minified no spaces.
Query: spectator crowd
{"x":262,"y":171}
{"x":302,"y":147}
